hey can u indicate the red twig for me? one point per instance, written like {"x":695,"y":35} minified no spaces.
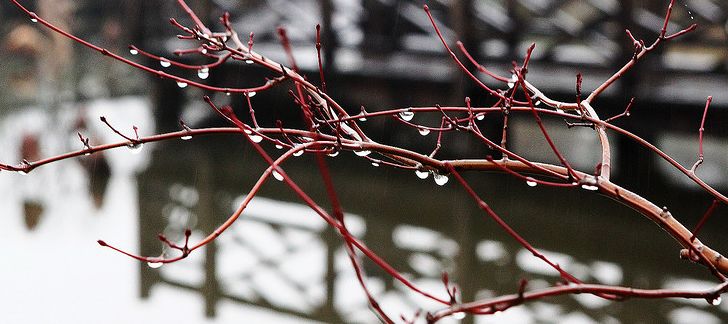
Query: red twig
{"x":701,"y":130}
{"x":704,"y":219}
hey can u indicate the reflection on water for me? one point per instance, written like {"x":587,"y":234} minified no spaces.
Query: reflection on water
{"x":282,"y":256}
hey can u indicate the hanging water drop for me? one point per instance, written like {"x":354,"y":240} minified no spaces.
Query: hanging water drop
{"x":440,"y":179}
{"x":251,"y":94}
{"x":203,"y":73}
{"x":33,"y":17}
{"x":512,"y":81}
{"x":279,"y":146}
{"x":154,"y":265}
{"x":627,"y":114}
{"x":277,"y":175}
{"x":589,"y":187}
{"x":186,"y":137}
{"x":538,"y":102}
{"x":362,"y":119}
{"x":424,"y":131}
{"x":333,"y":154}
{"x":135,"y":148}
{"x":256,"y":138}
{"x":133,"y":51}
{"x":227,"y":93}
{"x":203,"y":51}
{"x":407,"y":115}
{"x":23,"y":172}
{"x":298,"y":153}
{"x":164,"y":62}
{"x":716,"y":301}
{"x":480,"y":116}
{"x":181,"y":84}
{"x":458,"y":315}
{"x":531,"y":182}
{"x":375,"y":164}
{"x":87,"y":154}
{"x":362,"y":152}
{"x":422,"y":174}
{"x":249,"y":61}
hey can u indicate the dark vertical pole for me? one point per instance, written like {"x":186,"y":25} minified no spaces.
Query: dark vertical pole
{"x":328,"y":38}
{"x":332,"y":243}
{"x":207,"y":209}
{"x":461,"y":17}
{"x":466,"y":259}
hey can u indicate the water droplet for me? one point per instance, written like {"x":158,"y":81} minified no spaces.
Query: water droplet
{"x":627,"y":114}
{"x":407,"y":115}
{"x":716,"y":301}
{"x":512,"y":81}
{"x":480,"y":116}
{"x":277,"y":175}
{"x":203,"y":51}
{"x":362,"y":119}
{"x":182,"y":84}
{"x":247,"y":131}
{"x":333,"y":154}
{"x":86,"y":154}
{"x":362,"y":152}
{"x":164,"y":62}
{"x":203,"y":73}
{"x":251,"y":94}
{"x":424,"y":131}
{"x":23,"y":172}
{"x":531,"y":182}
{"x":279,"y":146}
{"x":458,"y":315}
{"x":33,"y":17}
{"x":249,"y":61}
{"x":440,"y":179}
{"x":186,"y":137}
{"x":375,"y":164}
{"x":298,"y":153}
{"x":256,"y":138}
{"x":135,"y":148}
{"x":589,"y":187}
{"x":538,"y":102}
{"x":422,"y":174}
{"x":227,"y":93}
{"x":155,"y":265}
{"x":133,"y":51}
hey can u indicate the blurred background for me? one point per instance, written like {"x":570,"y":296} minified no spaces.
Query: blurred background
{"x":280,"y":263}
